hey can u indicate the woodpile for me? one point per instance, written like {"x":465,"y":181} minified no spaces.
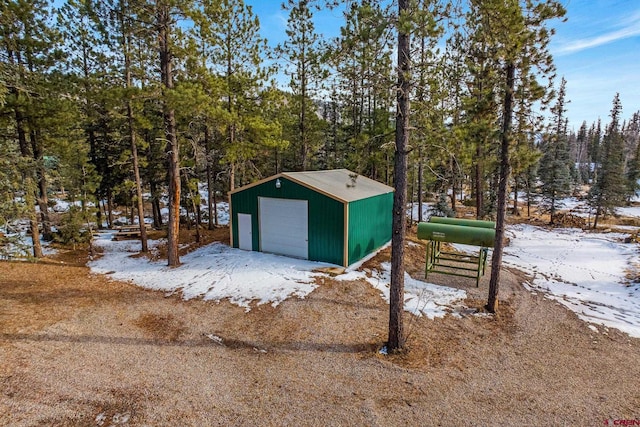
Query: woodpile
{"x":568,"y":220}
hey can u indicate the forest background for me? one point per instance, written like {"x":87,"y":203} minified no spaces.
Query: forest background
{"x":108,"y":101}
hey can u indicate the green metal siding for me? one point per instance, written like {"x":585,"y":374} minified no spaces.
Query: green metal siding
{"x":326,"y":217}
{"x":369,"y":225}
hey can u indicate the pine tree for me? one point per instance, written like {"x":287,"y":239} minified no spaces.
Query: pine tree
{"x":582,"y":160}
{"x":594,"y":150}
{"x":480,"y":104}
{"x":122,"y":34}
{"x":435,"y":144}
{"x":305,"y":68}
{"x":30,"y":50}
{"x":397,"y":338}
{"x":519,"y":41}
{"x":166,"y":12}
{"x":555,"y":163}
{"x":229,"y":41}
{"x":608,"y":192}
{"x":631,"y":134}
{"x":362,"y":59}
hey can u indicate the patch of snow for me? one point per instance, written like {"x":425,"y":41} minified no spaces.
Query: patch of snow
{"x":630,"y":211}
{"x":218,"y":272}
{"x":214,"y":272}
{"x":412,"y":212}
{"x":21,"y":246}
{"x":582,"y":271}
{"x":421,"y":298}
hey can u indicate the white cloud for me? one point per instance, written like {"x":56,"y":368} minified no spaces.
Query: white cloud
{"x":630,"y":28}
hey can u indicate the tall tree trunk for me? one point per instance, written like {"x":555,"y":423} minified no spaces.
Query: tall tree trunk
{"x":99,"y":213}
{"x":452,"y":167}
{"x":126,"y":48}
{"x":420,"y":171}
{"x":303,"y":114}
{"x":42,"y":199}
{"x":136,"y":173}
{"x":515,"y":210}
{"x":109,"y":207}
{"x":479,"y":170}
{"x":505,"y":170}
{"x":29,"y":184}
{"x":213,"y":214}
{"x":155,"y":203}
{"x":172,"y":149}
{"x":232,"y":176}
{"x":396,"y":296}
{"x":30,"y":201}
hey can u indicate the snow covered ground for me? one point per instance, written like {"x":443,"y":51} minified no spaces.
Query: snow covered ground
{"x":584,"y":271}
{"x":217,"y":272}
{"x":421,"y":298}
{"x":581,"y":208}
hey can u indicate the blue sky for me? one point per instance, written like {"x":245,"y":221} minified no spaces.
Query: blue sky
{"x":597,"y":50}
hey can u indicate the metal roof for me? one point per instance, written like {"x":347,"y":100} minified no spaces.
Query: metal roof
{"x":341,"y":184}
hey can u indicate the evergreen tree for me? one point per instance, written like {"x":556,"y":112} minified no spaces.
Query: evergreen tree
{"x":436,"y":145}
{"x":594,"y":150}
{"x":397,"y":338}
{"x":123,"y":34}
{"x":229,"y":41}
{"x":582,"y":160}
{"x":306,"y":71}
{"x":608,"y":192}
{"x":362,"y":59}
{"x":555,"y":163}
{"x":29,"y":53}
{"x":166,"y":13}
{"x":631,"y":135}
{"x":519,"y":42}
{"x":633,"y":174}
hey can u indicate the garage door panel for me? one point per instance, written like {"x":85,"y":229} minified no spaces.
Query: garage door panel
{"x":284,"y":226}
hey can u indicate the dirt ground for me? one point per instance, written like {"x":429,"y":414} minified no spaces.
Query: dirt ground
{"x":77,"y":349}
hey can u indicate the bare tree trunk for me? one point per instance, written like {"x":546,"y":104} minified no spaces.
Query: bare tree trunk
{"x":126,"y":48}
{"x":453,"y":184}
{"x":515,"y":210}
{"x":172,"y":149}
{"x":109,"y":208}
{"x":136,"y":172}
{"x":213,"y":214}
{"x":396,"y":297}
{"x":232,"y":176}
{"x":420,"y":184}
{"x":505,"y":170}
{"x":42,"y":199}
{"x":99,"y":213}
{"x":29,"y":185}
{"x":155,"y":205}
{"x":479,"y":170}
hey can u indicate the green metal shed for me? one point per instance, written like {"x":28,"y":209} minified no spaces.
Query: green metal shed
{"x":334,"y":216}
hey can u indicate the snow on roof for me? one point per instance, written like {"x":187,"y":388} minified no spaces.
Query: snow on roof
{"x":340,"y":184}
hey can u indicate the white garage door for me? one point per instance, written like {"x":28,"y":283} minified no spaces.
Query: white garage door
{"x":284,"y":227}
